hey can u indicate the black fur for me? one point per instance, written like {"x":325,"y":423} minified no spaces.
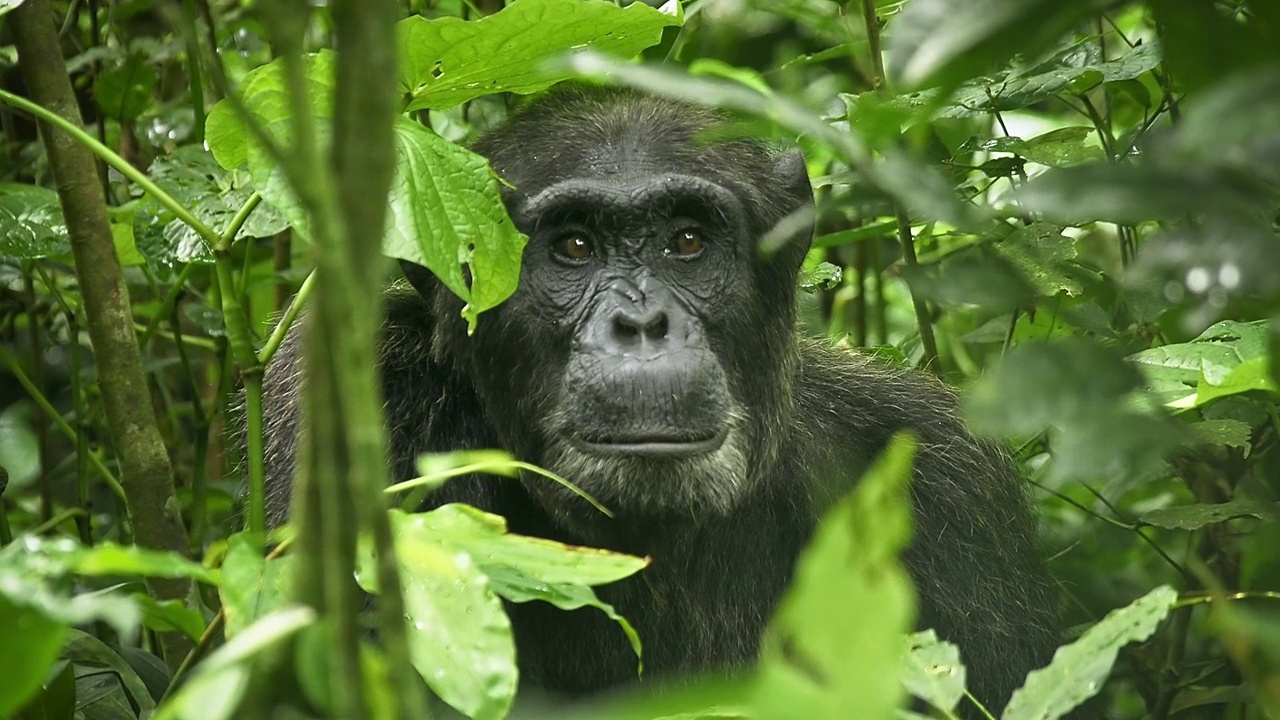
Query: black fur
{"x":807,"y":418}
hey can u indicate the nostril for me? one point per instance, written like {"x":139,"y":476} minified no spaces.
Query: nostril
{"x":632,"y":328}
{"x":658,"y":328}
{"x":624,"y":329}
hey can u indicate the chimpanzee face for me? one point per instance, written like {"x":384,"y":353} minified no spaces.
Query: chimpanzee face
{"x":630,"y":358}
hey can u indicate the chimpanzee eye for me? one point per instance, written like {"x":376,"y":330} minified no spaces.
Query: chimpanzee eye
{"x":574,"y":247}
{"x":687,"y":243}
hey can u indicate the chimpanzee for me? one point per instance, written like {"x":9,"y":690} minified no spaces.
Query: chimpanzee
{"x":650,"y":355}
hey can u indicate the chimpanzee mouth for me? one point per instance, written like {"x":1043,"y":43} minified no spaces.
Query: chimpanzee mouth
{"x":653,"y":445}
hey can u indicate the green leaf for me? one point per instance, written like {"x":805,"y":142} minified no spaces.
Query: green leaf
{"x":455,"y":561}
{"x":484,"y":536}
{"x":122,"y":237}
{"x":1208,"y":43}
{"x":1224,"y":431}
{"x":1251,"y":375}
{"x":925,"y":191}
{"x":970,"y":278}
{"x":448,"y":61}
{"x":1081,"y":391}
{"x":85,"y":649}
{"x":57,"y":700}
{"x":251,"y":586}
{"x":1043,"y":255}
{"x":1214,"y":131}
{"x":7,"y":5}
{"x":446,"y":210}
{"x":437,"y":467}
{"x":124,"y":93}
{"x":1079,"y":669}
{"x":447,"y":214}
{"x":460,"y":638}
{"x":941,"y":42}
{"x":1194,"y":517}
{"x":112,"y":559}
{"x":717,"y":68}
{"x":33,"y":573}
{"x":1229,"y":358}
{"x":170,"y":615}
{"x":193,"y":177}
{"x":31,"y":224}
{"x":225,"y":134}
{"x":522,"y":568}
{"x":1056,"y":148}
{"x":834,"y":646}
{"x":817,"y":274}
{"x":19,"y":447}
{"x":1072,"y":71}
{"x":870,"y":231}
{"x":1127,"y":194}
{"x":265,"y":97}
{"x":881,"y":118}
{"x":934,"y":672}
{"x":1089,"y":375}
{"x":32,"y":641}
{"x":217,"y":685}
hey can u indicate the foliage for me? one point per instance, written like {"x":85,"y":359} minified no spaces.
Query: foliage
{"x":1068,"y":209}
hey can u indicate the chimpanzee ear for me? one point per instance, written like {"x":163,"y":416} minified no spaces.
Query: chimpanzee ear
{"x":792,"y":177}
{"x":422,"y":279}
{"x":793,"y":232}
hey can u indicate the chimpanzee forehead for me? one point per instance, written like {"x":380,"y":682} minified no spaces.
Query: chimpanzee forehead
{"x":612,"y":159}
{"x":612,"y":134}
{"x":609,"y":154}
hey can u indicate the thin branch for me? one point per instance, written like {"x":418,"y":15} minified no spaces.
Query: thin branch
{"x":286,"y":321}
{"x":119,"y":164}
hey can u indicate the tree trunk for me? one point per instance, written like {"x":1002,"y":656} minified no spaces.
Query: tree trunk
{"x":152,"y":507}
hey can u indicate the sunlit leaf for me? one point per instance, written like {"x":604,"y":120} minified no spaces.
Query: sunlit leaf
{"x":251,"y":586}
{"x":934,"y":672}
{"x":460,"y":638}
{"x":32,"y":643}
{"x":834,"y":646}
{"x":33,"y":573}
{"x":1227,"y":359}
{"x":217,"y":685}
{"x":170,"y":615}
{"x":1079,"y":669}
{"x":455,"y":562}
{"x":111,"y":559}
{"x":445,"y":62}
{"x":447,"y":214}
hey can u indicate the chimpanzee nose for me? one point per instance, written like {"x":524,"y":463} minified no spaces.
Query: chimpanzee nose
{"x":639,"y":327}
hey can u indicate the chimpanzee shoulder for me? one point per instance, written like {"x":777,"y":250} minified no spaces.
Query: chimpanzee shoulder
{"x":974,"y":556}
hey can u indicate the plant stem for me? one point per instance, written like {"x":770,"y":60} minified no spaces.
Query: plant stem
{"x":281,"y":330}
{"x":151,"y":503}
{"x":928,"y":343}
{"x":58,"y":421}
{"x":124,"y":167}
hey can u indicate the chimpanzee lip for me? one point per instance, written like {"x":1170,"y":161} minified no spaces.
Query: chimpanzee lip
{"x":653,"y":444}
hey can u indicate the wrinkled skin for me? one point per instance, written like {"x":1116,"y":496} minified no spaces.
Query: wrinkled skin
{"x":650,"y":356}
